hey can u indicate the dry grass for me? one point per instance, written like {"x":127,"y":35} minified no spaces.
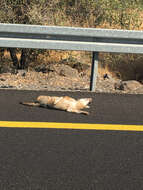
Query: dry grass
{"x":127,"y":66}
{"x":123,"y":66}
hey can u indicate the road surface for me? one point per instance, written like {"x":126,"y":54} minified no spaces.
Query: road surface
{"x":53,"y":159}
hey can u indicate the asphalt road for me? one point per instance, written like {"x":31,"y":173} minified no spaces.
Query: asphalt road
{"x":105,"y":108}
{"x":53,"y":159}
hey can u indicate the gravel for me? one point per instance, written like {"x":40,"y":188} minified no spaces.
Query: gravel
{"x":52,"y":81}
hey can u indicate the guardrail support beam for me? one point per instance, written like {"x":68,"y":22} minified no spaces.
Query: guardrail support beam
{"x":94,"y":71}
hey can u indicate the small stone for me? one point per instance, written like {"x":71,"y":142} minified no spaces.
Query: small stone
{"x":8,"y":86}
{"x":22,"y":73}
{"x":105,"y":76}
{"x":1,"y":79}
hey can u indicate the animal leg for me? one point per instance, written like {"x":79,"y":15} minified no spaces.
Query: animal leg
{"x":82,"y":112}
{"x":30,"y":104}
{"x":78,"y":111}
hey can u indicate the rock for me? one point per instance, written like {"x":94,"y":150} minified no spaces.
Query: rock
{"x":14,"y":71}
{"x":6,"y":86}
{"x":5,"y":69}
{"x":127,"y":85}
{"x":139,"y":90}
{"x":51,"y":68}
{"x":2,"y":79}
{"x":64,"y":70}
{"x":21,"y":72}
{"x":68,"y":72}
{"x":119,"y":85}
{"x":132,"y":85}
{"x":41,"y":68}
{"x":80,"y":66}
{"x":105,"y":76}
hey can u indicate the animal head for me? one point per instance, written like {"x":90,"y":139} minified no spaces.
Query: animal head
{"x":83,"y":103}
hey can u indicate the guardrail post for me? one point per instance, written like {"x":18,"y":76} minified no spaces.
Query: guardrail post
{"x":94,"y":71}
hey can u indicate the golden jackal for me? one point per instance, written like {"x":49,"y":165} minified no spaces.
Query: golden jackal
{"x":65,"y":103}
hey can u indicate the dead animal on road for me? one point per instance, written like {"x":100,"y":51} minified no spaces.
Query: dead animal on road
{"x":65,"y":103}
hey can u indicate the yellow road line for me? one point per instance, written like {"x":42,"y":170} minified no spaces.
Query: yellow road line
{"x":82,"y":126}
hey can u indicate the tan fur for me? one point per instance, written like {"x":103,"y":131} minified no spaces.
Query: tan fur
{"x":63,"y":103}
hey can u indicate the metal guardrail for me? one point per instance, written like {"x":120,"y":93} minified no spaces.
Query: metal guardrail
{"x":71,"y":38}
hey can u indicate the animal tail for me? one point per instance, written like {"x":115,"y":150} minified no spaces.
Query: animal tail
{"x":30,"y":103}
